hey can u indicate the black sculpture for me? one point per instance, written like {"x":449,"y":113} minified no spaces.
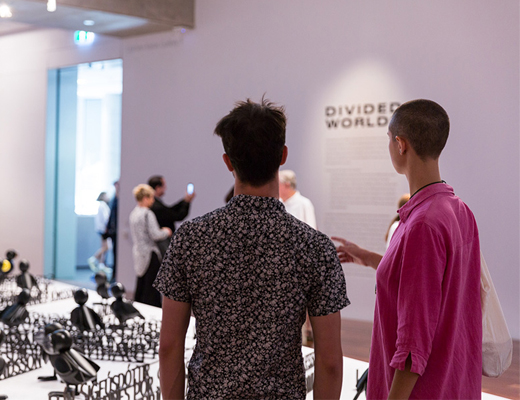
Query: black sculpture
{"x":2,"y":361}
{"x":361,"y":384}
{"x":40,"y":339}
{"x":7,"y":264}
{"x":15,"y":314}
{"x":26,"y":280}
{"x":122,"y":309}
{"x":83,"y":317}
{"x":72,"y":367}
{"x":102,"y":284}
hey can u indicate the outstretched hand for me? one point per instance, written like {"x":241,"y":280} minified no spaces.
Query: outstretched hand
{"x":348,"y":252}
{"x":351,"y":252}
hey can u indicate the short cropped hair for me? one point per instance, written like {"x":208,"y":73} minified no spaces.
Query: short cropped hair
{"x":288,"y":177}
{"x":253,"y":136}
{"x":141,"y":191}
{"x":425,"y":124}
{"x":156,"y":180}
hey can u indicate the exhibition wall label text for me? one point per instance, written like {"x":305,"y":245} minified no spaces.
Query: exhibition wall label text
{"x":367,"y":115}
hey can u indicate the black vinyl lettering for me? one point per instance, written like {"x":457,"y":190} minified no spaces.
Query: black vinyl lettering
{"x":346,"y":123}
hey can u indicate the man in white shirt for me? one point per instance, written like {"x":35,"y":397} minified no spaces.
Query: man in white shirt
{"x":296,"y":204}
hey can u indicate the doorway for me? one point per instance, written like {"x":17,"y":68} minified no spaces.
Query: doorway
{"x":83,"y":160}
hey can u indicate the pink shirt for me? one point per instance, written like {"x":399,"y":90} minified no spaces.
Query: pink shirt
{"x":428,"y":301}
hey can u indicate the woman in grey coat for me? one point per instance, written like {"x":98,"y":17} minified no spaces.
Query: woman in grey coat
{"x":145,"y":233}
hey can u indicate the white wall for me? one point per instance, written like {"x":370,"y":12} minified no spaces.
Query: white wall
{"x":463,"y":54}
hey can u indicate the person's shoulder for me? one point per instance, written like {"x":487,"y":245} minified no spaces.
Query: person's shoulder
{"x":202,"y":221}
{"x":304,"y":231}
{"x":137,"y":214}
{"x":157,"y":204}
{"x":445,"y":206}
{"x":441,"y":214}
{"x":307,"y":201}
{"x":135,"y":210}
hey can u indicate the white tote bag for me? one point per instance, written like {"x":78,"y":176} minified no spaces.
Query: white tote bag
{"x":497,"y":345}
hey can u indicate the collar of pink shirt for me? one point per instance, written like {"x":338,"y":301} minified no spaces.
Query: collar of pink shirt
{"x":421,"y":196}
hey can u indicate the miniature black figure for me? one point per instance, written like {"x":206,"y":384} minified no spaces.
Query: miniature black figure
{"x":122,"y":309}
{"x":15,"y":314}
{"x":102,"y":284}
{"x":72,"y":367}
{"x":40,"y":339}
{"x":83,"y":317}
{"x":7,"y":264}
{"x":2,"y":361}
{"x":26,"y":280}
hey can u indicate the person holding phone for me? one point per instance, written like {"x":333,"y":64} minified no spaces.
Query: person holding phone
{"x":168,"y":215}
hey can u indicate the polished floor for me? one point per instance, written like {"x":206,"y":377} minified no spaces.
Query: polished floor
{"x":355,"y":340}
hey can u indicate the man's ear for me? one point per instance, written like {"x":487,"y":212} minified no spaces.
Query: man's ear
{"x":227,"y":161}
{"x":284,"y":155}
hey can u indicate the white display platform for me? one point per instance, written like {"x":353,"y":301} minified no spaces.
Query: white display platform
{"x":27,"y":386}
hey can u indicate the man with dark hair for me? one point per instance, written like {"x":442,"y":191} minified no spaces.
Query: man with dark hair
{"x":249,"y":272}
{"x":167,"y":215}
{"x":427,"y":334}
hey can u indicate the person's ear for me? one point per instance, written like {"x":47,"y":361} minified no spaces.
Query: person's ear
{"x":284,"y":155}
{"x":402,"y":144}
{"x":227,"y":161}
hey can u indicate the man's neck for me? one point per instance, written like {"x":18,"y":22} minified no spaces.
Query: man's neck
{"x":270,"y":189}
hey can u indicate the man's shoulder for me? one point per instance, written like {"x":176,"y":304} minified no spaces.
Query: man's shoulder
{"x":306,"y":233}
{"x":307,"y":201}
{"x":157,"y":204}
{"x":203,"y":221}
{"x":299,"y":198}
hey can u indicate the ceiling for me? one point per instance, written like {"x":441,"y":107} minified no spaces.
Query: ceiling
{"x":33,"y":14}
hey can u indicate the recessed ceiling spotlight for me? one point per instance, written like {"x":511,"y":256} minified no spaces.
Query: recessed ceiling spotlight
{"x":5,"y":11}
{"x":88,"y":22}
{"x":51,"y":5}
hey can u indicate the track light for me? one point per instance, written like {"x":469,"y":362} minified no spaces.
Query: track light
{"x":5,"y":11}
{"x":51,"y":5}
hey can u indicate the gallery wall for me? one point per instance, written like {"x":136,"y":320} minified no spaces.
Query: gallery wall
{"x":311,"y":55}
{"x":306,"y":55}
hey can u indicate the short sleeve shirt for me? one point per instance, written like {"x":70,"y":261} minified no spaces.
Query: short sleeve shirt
{"x":251,"y":271}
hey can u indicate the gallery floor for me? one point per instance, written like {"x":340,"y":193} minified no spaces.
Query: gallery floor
{"x":356,"y":336}
{"x":355,"y":340}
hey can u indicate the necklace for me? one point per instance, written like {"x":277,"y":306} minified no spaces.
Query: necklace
{"x":433,"y":183}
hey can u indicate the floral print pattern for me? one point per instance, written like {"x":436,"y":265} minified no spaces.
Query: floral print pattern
{"x":251,"y":271}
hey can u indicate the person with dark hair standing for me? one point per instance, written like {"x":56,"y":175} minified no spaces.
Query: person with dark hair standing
{"x":249,"y":272}
{"x":427,"y":334}
{"x":167,"y":215}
